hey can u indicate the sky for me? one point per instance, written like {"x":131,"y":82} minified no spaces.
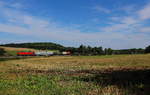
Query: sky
{"x":117,"y":24}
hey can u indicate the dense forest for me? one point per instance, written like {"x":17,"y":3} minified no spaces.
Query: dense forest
{"x":81,"y":50}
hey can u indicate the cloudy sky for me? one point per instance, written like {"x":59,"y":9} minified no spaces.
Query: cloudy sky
{"x":118,"y":24}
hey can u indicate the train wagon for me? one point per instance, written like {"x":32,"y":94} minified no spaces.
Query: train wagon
{"x":44,"y":53}
{"x":26,"y":53}
{"x":66,"y":53}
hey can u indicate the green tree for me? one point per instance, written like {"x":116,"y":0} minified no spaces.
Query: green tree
{"x":82,"y":50}
{"x":147,"y":49}
{"x":108,"y":51}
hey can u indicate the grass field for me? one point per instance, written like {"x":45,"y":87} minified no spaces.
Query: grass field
{"x":11,"y":51}
{"x":76,"y":75}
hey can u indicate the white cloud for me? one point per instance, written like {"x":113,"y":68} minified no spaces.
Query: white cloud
{"x":122,"y":24}
{"x":129,"y":21}
{"x":9,"y":4}
{"x":101,"y":9}
{"x":135,"y":22}
{"x":145,"y":29}
{"x":21,"y":23}
{"x":129,"y":9}
{"x":145,"y":12}
{"x":16,"y":5}
{"x":13,"y":29}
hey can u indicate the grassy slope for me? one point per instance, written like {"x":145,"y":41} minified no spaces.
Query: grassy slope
{"x":13,"y":51}
{"x":76,"y":75}
{"x":16,"y":49}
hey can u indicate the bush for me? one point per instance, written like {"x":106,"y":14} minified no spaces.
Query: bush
{"x":147,"y":49}
{"x":2,"y":51}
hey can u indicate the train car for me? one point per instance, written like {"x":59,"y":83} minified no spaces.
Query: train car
{"x":44,"y":53}
{"x":26,"y":53}
{"x":66,"y":53}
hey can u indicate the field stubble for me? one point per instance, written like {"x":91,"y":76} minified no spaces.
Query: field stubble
{"x":76,"y":75}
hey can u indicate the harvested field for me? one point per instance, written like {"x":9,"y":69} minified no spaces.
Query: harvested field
{"x":76,"y":75}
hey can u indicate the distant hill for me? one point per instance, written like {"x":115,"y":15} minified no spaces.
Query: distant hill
{"x":39,"y":46}
{"x":16,"y":49}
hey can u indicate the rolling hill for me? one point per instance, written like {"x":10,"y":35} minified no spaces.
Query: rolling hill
{"x":38,"y":46}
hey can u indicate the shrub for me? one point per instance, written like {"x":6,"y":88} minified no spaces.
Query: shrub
{"x":2,"y":51}
{"x":147,"y":49}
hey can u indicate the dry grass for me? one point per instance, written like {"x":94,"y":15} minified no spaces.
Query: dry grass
{"x":16,"y":49}
{"x":87,"y":70}
{"x":81,"y":63}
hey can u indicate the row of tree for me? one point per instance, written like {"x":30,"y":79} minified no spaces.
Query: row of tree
{"x":87,"y":50}
{"x":81,"y":50}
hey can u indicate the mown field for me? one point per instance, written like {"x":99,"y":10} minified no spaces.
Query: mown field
{"x":76,"y":75}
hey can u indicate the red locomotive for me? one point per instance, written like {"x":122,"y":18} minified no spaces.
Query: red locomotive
{"x":26,"y":53}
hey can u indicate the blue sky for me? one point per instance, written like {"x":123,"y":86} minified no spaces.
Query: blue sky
{"x":118,"y":24}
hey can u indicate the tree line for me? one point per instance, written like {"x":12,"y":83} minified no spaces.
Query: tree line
{"x":88,"y":50}
{"x":39,"y":45}
{"x":81,"y":50}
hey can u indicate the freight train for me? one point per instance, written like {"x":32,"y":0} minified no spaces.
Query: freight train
{"x":42,"y":53}
{"x":26,"y":53}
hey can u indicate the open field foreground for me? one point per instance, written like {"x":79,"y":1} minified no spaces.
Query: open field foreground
{"x":76,"y":75}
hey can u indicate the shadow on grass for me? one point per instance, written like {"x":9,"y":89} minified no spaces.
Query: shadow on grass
{"x":8,"y":58}
{"x":132,"y":81}
{"x":13,"y":58}
{"x":136,"y":82}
